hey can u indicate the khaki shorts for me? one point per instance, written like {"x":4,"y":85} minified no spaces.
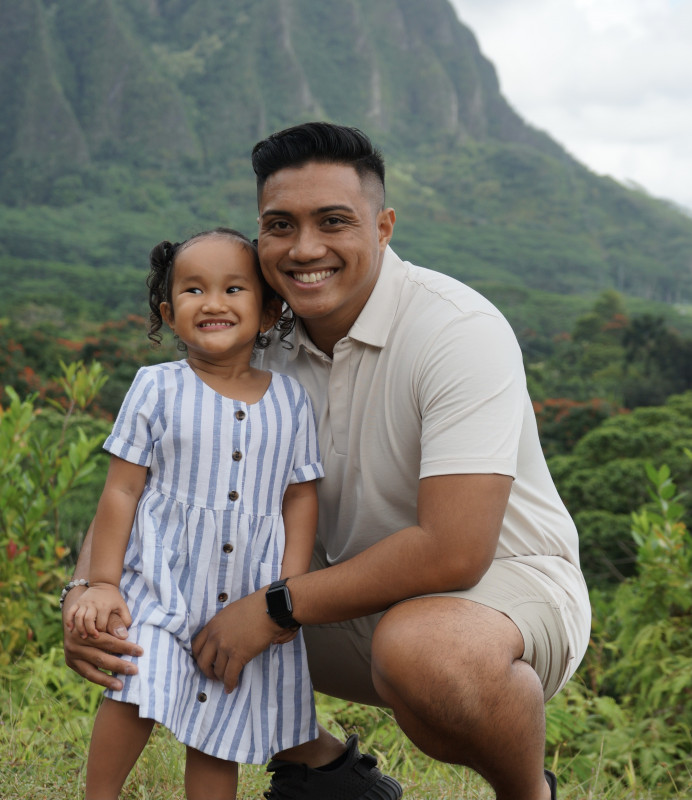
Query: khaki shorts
{"x":339,"y":654}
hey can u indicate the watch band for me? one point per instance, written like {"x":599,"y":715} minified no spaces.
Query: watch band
{"x":279,"y":606}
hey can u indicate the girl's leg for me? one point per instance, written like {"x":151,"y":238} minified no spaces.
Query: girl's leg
{"x":209,"y":778}
{"x":118,"y":737}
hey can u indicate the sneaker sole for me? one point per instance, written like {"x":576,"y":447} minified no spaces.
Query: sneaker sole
{"x":385,"y":789}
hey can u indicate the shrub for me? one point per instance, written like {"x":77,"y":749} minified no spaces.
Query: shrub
{"x":39,"y":469}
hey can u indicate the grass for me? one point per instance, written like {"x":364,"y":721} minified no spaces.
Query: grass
{"x":46,"y":714}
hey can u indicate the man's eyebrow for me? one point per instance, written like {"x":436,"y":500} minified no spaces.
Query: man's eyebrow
{"x":277,"y":212}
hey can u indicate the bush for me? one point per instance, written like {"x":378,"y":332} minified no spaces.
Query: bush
{"x":39,"y":469}
{"x":633,"y":706}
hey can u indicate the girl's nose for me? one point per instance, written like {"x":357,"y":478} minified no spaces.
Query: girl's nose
{"x":215,"y":301}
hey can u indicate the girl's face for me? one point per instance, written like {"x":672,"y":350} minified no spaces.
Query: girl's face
{"x":216,"y":305}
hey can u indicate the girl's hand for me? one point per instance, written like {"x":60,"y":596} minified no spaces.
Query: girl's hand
{"x":98,"y":660}
{"x":91,"y":612}
{"x":233,"y":636}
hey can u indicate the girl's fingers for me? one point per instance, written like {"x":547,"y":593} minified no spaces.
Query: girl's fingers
{"x":90,"y":623}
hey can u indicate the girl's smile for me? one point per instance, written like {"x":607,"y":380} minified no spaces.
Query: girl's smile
{"x":216,"y":306}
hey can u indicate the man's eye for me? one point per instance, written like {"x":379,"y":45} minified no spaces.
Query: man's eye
{"x":278,"y":225}
{"x":333,"y":221}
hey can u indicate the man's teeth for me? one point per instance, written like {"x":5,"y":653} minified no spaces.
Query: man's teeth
{"x":313,"y":277}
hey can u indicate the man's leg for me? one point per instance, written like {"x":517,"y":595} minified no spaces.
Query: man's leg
{"x":450,"y":669}
{"x":335,"y":770}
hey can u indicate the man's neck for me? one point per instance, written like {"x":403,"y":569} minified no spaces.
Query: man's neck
{"x":323,"y":337}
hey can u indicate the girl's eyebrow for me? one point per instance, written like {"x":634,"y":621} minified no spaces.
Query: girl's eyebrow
{"x":233,"y":276}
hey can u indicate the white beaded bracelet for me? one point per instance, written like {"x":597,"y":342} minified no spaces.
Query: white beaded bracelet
{"x":71,"y":585}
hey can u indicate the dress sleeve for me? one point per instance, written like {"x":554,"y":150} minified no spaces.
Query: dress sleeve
{"x":472,"y":395}
{"x":131,"y":437}
{"x":307,"y":465}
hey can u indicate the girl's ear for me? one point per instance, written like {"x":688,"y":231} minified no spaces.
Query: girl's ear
{"x":166,"y":310}
{"x":271,"y":314}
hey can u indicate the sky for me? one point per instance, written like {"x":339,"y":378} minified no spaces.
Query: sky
{"x":610,"y":80}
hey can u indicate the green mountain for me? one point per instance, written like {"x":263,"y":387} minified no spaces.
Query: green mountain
{"x":125,"y":122}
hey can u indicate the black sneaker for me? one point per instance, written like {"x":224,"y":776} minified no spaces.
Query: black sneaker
{"x":552,"y":782}
{"x":355,"y":778}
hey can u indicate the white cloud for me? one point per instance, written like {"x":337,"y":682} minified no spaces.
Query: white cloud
{"x":609,"y":79}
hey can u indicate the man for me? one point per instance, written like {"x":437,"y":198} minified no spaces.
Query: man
{"x":446,"y":580}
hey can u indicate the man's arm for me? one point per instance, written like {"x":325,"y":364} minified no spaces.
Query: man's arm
{"x":94,"y":658}
{"x":451,"y":547}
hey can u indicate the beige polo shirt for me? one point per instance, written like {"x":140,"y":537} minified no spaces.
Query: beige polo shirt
{"x":429,"y":381}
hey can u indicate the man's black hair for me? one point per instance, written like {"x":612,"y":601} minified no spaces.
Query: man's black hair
{"x":316,"y":141}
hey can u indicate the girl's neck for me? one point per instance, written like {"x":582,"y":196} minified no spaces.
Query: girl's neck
{"x":238,"y":381}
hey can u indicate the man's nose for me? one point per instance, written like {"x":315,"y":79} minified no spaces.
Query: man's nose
{"x":307,"y":246}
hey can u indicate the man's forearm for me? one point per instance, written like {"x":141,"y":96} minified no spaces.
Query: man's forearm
{"x":367,"y":583}
{"x":451,"y":548}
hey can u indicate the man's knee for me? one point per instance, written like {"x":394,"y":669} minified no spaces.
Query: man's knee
{"x":435,"y":640}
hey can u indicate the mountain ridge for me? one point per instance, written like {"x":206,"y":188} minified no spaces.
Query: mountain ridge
{"x":126,"y":122}
{"x":163,"y":81}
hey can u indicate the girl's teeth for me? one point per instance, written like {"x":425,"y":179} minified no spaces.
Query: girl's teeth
{"x":312,"y":277}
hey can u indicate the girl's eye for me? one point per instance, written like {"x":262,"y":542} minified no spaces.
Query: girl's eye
{"x":232,"y":289}
{"x":193,"y":290}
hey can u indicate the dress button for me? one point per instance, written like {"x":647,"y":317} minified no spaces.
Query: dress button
{"x":237,"y":455}
{"x":228,"y":548}
{"x":233,"y":495}
{"x":202,"y":697}
{"x":223,"y":597}
{"x":240,"y":415}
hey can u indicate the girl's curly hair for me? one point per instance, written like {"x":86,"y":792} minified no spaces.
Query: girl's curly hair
{"x":160,"y":281}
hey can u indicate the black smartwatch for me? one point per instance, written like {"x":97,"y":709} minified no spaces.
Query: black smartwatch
{"x":279,"y":606}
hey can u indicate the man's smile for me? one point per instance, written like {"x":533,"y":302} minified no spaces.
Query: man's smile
{"x":312,"y":277}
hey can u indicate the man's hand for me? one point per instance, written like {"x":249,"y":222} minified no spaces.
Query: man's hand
{"x":233,"y":637}
{"x":94,"y":658}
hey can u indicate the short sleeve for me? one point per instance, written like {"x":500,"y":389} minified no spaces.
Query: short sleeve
{"x":131,"y":437}
{"x":307,"y":465}
{"x":472,"y":395}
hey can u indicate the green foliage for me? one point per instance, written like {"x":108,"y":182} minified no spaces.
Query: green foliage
{"x":604,"y":478}
{"x":633,"y":705}
{"x":39,"y":469}
{"x":655,"y":612}
{"x":626,"y":360}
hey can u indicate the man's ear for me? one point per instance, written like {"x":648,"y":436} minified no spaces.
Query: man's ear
{"x":385,"y":226}
{"x":166,"y":310}
{"x":271,"y":314}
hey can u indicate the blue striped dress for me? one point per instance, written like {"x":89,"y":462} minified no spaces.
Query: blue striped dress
{"x":208,"y":530}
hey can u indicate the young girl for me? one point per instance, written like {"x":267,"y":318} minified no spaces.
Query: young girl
{"x":213,"y":469}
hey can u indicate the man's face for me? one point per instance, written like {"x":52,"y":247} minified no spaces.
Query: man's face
{"x":322,"y":236}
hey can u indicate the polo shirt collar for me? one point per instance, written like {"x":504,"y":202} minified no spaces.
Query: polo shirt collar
{"x":375,"y":320}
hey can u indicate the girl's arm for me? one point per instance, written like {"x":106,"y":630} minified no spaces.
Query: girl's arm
{"x":300,"y":523}
{"x":115,"y":514}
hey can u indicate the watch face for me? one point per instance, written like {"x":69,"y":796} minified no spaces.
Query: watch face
{"x":278,"y":602}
